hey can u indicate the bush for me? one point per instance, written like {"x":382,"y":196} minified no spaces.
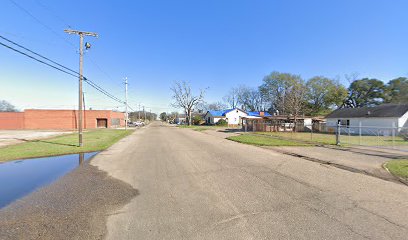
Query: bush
{"x":222,"y":122}
{"x":196,"y":120}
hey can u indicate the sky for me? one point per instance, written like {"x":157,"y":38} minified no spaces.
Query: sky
{"x":212,"y":44}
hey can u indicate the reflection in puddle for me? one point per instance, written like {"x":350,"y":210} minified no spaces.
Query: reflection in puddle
{"x":19,"y":178}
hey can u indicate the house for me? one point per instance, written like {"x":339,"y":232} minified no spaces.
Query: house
{"x":60,"y":119}
{"x":180,"y":119}
{"x":382,"y":116}
{"x":232,"y":116}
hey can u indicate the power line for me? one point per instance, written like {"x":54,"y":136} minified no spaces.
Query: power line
{"x":37,"y":54}
{"x":40,"y":22}
{"x":36,"y":59}
{"x":88,"y":81}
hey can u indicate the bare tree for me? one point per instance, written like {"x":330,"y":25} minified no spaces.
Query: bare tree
{"x":232,"y":97}
{"x":7,"y":107}
{"x":250,"y":98}
{"x":184,"y":98}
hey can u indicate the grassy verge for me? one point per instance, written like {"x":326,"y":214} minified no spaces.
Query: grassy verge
{"x":264,"y":141}
{"x":398,"y":168}
{"x":95,"y":140}
{"x":200,"y":128}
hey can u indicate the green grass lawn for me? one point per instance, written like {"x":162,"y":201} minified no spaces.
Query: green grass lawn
{"x":398,"y":168}
{"x":200,"y":128}
{"x":95,"y":140}
{"x":264,"y":140}
{"x":345,"y":139}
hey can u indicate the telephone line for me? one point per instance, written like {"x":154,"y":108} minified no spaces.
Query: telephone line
{"x":12,"y":42}
{"x":88,"y":81}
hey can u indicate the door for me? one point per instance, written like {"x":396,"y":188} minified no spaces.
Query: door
{"x":101,"y":123}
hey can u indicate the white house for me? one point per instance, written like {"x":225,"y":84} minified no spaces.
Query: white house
{"x":232,"y":116}
{"x":382,"y":116}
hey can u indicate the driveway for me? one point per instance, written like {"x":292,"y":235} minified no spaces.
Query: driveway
{"x":193,"y":185}
{"x":9,"y":137}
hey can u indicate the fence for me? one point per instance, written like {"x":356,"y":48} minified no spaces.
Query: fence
{"x":371,"y":136}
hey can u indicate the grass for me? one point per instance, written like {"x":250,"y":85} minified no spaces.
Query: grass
{"x":264,"y":140}
{"x":398,"y":168}
{"x":95,"y":140}
{"x":345,"y":139}
{"x":200,"y":128}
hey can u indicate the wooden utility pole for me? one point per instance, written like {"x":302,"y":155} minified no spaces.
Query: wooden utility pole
{"x":144,"y":112}
{"x":126,"y":103}
{"x":139,"y":112}
{"x":81,"y":56}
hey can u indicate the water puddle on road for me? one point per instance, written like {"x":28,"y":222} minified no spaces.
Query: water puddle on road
{"x":21,"y":177}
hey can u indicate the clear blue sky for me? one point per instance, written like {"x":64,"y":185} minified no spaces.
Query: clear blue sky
{"x":212,"y":43}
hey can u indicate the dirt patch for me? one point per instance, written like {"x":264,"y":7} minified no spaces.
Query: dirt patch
{"x":74,"y":207}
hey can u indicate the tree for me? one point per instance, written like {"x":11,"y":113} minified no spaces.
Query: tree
{"x":204,"y":107}
{"x":278,"y":87}
{"x":232,"y":98}
{"x":7,"y":107}
{"x":163,"y":116}
{"x":184,"y":98}
{"x":322,"y":94}
{"x":397,"y":90}
{"x":250,"y":99}
{"x":365,"y":93}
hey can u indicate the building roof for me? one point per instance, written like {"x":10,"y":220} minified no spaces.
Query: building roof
{"x":222,"y":113}
{"x":258,"y":114}
{"x":384,"y":110}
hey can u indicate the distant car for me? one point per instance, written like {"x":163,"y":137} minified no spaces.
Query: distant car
{"x":131,"y":124}
{"x":139,"y":124}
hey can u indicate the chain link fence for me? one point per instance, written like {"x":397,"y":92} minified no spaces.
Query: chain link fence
{"x":319,"y":133}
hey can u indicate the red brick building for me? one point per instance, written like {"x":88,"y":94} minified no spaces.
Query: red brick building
{"x":60,"y":119}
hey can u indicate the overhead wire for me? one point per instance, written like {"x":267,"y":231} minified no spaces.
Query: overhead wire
{"x":61,"y":68}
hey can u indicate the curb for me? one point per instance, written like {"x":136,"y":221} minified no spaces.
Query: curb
{"x":394,"y":179}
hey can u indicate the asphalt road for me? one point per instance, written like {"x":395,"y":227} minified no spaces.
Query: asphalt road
{"x":192,"y":185}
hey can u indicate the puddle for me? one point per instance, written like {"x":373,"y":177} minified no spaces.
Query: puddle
{"x":21,"y":177}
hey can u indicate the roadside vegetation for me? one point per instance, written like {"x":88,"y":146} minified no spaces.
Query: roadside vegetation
{"x":330,"y":139}
{"x":398,"y":168}
{"x":94,"y":140}
{"x":200,"y":128}
{"x":264,"y":141}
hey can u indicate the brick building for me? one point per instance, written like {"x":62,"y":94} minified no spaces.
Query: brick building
{"x":60,"y":119}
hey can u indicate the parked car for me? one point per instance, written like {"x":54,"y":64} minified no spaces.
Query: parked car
{"x":139,"y":124}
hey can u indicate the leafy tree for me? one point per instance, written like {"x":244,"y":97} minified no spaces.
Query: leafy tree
{"x":7,"y":107}
{"x":365,"y":92}
{"x":322,"y":94}
{"x":397,"y":90}
{"x":184,"y":98}
{"x":284,"y":92}
{"x":163,"y":116}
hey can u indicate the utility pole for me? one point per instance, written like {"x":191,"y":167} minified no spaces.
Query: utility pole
{"x":126,"y":103}
{"x":81,"y":56}
{"x":144,"y":112}
{"x":150,"y":116}
{"x":139,"y":112}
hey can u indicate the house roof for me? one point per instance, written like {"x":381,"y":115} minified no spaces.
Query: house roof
{"x":258,"y":114}
{"x":384,"y":110}
{"x":222,"y":113}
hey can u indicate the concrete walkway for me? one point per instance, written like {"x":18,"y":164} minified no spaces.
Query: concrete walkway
{"x":349,"y":160}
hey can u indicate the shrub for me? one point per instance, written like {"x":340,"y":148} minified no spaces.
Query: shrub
{"x":222,"y":122}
